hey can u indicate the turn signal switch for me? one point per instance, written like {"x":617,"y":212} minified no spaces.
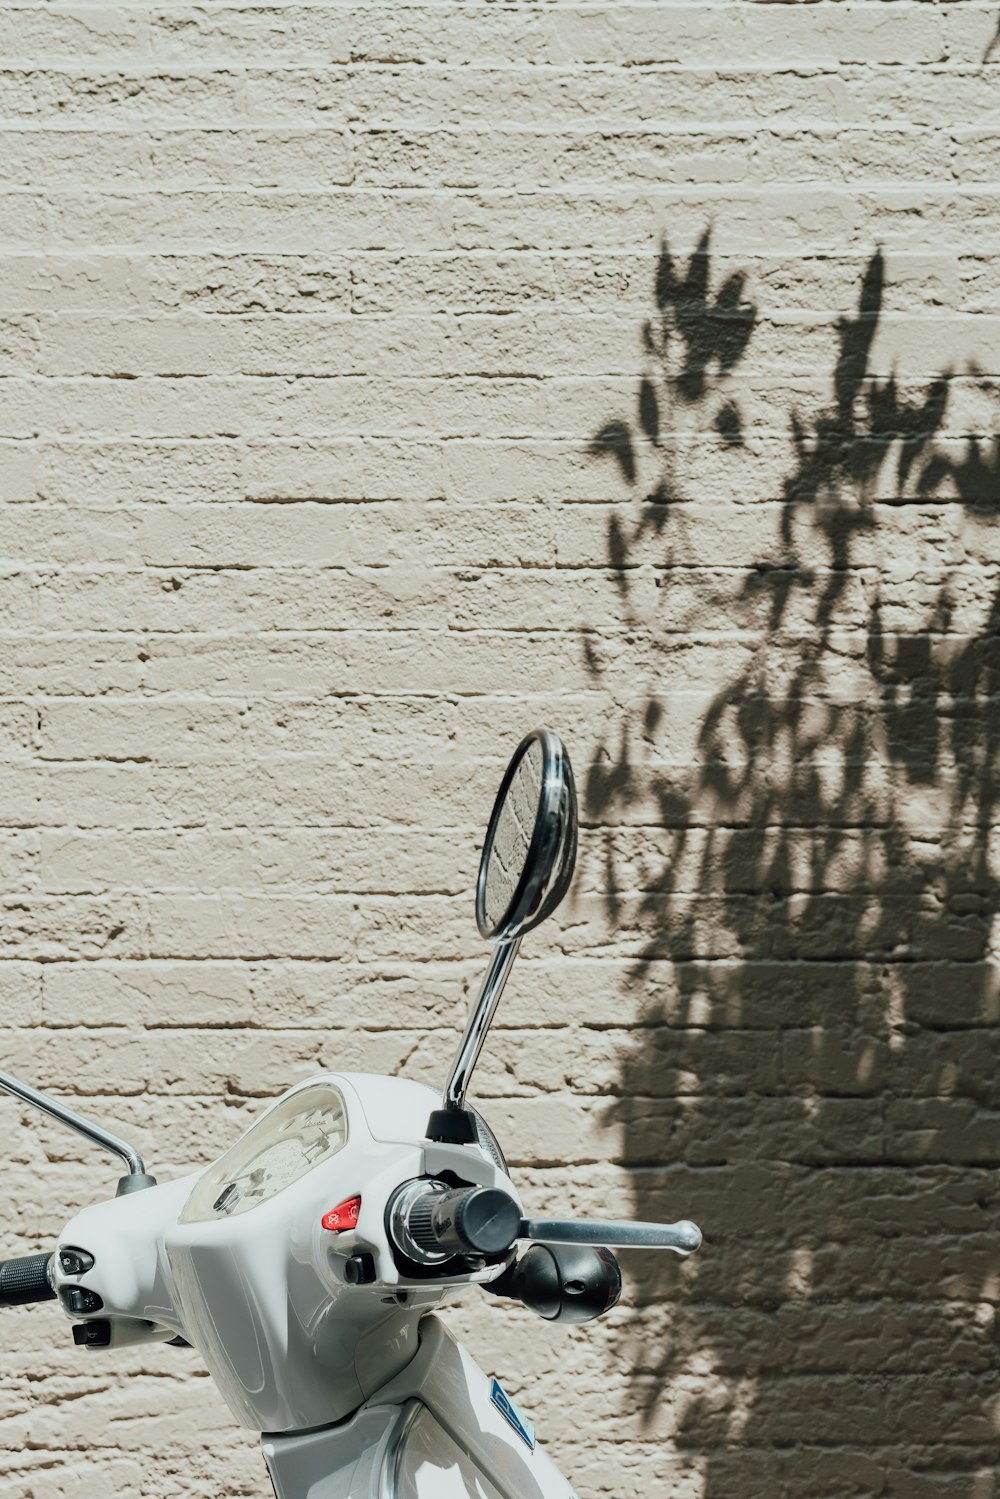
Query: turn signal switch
{"x":430,"y":1222}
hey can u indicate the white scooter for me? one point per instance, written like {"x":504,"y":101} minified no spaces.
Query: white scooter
{"x":304,"y":1264}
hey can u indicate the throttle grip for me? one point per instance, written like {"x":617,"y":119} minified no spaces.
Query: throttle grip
{"x":25,"y":1280}
{"x":468,"y":1220}
{"x":430,"y":1223}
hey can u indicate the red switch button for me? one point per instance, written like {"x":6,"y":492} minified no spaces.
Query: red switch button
{"x":343,"y":1216}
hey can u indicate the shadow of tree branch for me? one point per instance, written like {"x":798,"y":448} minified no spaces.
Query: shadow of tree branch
{"x":814,"y":1076}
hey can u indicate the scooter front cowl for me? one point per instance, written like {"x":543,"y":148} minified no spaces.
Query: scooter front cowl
{"x":278,"y":1304}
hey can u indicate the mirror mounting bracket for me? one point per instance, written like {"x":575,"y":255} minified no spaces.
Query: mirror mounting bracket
{"x":453,"y":1126}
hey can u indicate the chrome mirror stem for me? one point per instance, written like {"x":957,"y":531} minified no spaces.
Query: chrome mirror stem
{"x":64,"y":1115}
{"x":479,"y":1023}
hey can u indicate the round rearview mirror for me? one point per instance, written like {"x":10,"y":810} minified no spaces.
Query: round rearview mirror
{"x":530,"y":846}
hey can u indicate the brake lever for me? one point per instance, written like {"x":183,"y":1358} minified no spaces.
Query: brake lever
{"x":682,"y":1237}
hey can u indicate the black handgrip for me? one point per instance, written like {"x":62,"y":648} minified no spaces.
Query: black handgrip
{"x":25,"y":1280}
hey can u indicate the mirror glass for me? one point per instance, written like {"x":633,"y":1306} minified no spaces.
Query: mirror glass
{"x":530,"y":846}
{"x":511,"y":842}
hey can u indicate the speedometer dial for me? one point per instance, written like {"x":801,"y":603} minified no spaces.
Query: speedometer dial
{"x":302,"y":1131}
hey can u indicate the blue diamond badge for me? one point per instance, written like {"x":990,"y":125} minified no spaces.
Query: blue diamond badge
{"x":524,"y":1428}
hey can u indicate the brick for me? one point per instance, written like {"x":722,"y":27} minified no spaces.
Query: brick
{"x":73,"y":35}
{"x":256,"y":33}
{"x":119,"y":96}
{"x":271,"y":221}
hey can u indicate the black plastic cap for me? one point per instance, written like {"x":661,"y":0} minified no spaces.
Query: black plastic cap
{"x":453,"y":1127}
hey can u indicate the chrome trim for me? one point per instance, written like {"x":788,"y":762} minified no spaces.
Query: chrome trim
{"x":399,"y":1221}
{"x":93,"y":1132}
{"x":478,"y":1023}
{"x":392,"y":1458}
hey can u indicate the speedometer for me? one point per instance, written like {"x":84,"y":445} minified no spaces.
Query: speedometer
{"x":298,"y":1134}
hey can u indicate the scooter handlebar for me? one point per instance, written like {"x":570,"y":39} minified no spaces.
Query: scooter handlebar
{"x":25,"y":1280}
{"x":429,"y":1222}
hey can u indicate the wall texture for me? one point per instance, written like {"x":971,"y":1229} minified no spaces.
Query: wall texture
{"x":377,"y":382}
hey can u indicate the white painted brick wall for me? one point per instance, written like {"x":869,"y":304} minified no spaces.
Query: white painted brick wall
{"x":334,"y":455}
